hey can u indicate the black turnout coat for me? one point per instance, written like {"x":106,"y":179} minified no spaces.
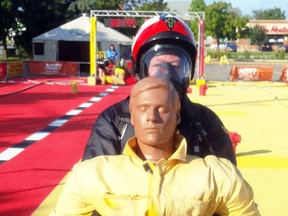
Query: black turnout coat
{"x":202,"y":128}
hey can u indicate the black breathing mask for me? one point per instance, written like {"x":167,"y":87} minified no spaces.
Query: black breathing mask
{"x":166,"y":70}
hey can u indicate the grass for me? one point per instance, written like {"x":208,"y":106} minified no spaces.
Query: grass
{"x":249,"y":55}
{"x":246,"y":55}
{"x":12,"y":59}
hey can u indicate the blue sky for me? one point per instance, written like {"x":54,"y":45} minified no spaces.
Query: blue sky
{"x":246,"y":6}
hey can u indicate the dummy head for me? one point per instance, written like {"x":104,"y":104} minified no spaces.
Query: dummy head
{"x":155,"y":111}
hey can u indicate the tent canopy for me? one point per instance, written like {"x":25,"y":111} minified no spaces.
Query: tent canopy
{"x":70,"y":42}
{"x":79,"y":30}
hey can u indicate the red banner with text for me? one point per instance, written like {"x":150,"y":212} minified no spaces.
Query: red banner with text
{"x":53,"y":68}
{"x":251,"y":73}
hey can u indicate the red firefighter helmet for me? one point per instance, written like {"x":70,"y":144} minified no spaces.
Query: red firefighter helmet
{"x":168,"y":32}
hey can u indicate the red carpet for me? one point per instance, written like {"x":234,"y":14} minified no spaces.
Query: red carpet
{"x":29,"y":177}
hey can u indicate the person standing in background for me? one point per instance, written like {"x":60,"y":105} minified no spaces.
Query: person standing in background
{"x":112,"y":54}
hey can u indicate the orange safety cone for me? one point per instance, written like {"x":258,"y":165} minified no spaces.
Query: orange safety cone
{"x":284,"y":75}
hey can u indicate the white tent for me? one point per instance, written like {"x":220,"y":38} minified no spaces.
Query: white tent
{"x":70,"y":42}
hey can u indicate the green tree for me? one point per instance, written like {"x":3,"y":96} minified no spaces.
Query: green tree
{"x":257,"y":35}
{"x":8,"y":14}
{"x":145,"y":5}
{"x":84,"y":6}
{"x":39,"y":17}
{"x":269,"y":14}
{"x":155,"y":5}
{"x":196,"y":6}
{"x":81,"y":6}
{"x":224,"y":23}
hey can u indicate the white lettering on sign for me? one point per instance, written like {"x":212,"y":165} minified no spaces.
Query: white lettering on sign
{"x":248,"y":73}
{"x":53,"y":68}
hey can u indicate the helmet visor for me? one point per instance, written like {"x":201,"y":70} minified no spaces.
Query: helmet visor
{"x":156,"y":56}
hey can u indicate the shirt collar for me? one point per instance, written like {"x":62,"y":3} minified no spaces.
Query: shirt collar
{"x":179,"y":154}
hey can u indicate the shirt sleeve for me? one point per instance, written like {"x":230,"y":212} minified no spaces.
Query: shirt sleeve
{"x":71,"y":200}
{"x":235,"y":195}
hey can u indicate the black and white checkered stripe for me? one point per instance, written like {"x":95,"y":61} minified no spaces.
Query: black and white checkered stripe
{"x":13,"y":151}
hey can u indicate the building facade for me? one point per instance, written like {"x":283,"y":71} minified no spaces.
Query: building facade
{"x":276,"y":30}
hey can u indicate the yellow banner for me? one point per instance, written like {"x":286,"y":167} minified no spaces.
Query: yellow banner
{"x":15,"y":69}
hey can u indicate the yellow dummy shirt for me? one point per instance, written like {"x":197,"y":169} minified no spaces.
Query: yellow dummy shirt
{"x":181,"y":185}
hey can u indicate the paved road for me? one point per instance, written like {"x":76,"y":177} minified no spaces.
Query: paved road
{"x":220,"y":72}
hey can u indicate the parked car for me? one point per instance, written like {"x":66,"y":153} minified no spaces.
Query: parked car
{"x":283,"y":47}
{"x":265,"y":47}
{"x":231,"y":46}
{"x":214,"y":46}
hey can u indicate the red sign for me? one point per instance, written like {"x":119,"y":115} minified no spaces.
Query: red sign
{"x":53,"y":68}
{"x":3,"y":70}
{"x":120,"y":22}
{"x":248,"y":73}
{"x":251,"y":73}
{"x":275,"y":29}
